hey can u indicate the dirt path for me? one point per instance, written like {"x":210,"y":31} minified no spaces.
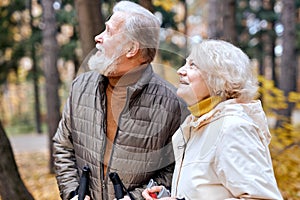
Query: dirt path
{"x":32,"y":157}
{"x":29,"y":143}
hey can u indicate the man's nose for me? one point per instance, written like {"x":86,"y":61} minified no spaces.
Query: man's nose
{"x":98,"y":38}
{"x":181,"y":71}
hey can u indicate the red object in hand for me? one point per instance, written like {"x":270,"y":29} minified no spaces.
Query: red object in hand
{"x":153,"y":195}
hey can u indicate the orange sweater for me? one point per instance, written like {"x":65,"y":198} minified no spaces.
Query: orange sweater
{"x":116,"y":99}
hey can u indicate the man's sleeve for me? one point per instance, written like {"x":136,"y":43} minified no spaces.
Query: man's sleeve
{"x":64,"y":157}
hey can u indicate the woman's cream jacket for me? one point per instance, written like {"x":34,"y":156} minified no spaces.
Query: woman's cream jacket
{"x":224,"y":155}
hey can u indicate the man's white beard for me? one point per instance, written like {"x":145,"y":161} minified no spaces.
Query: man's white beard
{"x":101,"y":63}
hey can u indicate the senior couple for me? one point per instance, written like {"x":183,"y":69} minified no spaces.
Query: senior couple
{"x":206,"y":139}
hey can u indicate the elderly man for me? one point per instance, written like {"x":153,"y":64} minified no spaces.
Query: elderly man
{"x":120,"y":116}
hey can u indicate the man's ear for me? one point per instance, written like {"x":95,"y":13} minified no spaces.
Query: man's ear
{"x":133,"y":50}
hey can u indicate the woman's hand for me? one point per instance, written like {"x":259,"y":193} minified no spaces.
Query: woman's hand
{"x":150,"y":193}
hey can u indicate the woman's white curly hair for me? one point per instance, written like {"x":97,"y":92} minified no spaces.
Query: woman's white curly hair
{"x":227,"y":70}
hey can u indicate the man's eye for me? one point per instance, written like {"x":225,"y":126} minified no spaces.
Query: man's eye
{"x":192,"y":65}
{"x":108,"y":32}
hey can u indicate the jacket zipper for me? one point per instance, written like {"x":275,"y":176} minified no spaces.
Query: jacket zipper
{"x":182,"y":159}
{"x":103,"y":151}
{"x":179,"y":173}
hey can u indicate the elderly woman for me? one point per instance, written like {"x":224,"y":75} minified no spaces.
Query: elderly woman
{"x":221,"y":149}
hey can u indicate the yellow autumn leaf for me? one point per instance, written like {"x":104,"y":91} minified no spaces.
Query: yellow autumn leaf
{"x":167,"y":5}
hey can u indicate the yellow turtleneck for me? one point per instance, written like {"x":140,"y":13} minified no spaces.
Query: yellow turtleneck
{"x":204,"y":106}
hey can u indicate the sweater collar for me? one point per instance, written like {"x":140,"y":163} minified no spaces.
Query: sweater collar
{"x":130,"y":78}
{"x":204,"y":106}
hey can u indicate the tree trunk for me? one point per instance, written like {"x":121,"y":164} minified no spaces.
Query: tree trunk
{"x":229,"y":25}
{"x":214,"y":19}
{"x":90,"y":21}
{"x":11,"y":184}
{"x":50,"y":50}
{"x":37,"y":108}
{"x":288,"y":75}
{"x":147,"y":4}
{"x":273,"y":37}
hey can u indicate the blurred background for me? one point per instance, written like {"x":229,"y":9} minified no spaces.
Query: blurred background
{"x":44,"y":45}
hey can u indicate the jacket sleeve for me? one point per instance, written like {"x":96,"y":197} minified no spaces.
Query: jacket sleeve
{"x":243,"y":162}
{"x":64,"y":157}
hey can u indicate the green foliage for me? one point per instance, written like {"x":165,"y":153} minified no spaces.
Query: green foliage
{"x":298,"y":37}
{"x":297,"y":28}
{"x":244,"y":10}
{"x":250,"y":26}
{"x":67,"y":16}
{"x":168,"y":18}
{"x":67,"y":50}
{"x":176,"y":57}
{"x":10,"y":49}
{"x":21,"y":124}
{"x":297,"y":3}
{"x":169,"y":51}
{"x":14,"y":45}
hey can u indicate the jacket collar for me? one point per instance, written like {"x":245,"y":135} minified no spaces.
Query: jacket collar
{"x":134,"y":89}
{"x":144,"y":80}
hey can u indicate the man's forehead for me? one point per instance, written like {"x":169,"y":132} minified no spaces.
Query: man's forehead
{"x":189,"y":58}
{"x":116,"y":20}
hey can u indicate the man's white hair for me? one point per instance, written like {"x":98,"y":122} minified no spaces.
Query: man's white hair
{"x":140,"y":26}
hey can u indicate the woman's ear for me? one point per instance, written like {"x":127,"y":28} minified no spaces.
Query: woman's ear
{"x":133,"y":50}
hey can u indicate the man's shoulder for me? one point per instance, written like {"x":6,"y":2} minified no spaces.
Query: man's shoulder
{"x":87,"y":81}
{"x":158,"y":80}
{"x":161,"y":87}
{"x":90,"y":78}
{"x":153,"y":82}
{"x":87,"y":77}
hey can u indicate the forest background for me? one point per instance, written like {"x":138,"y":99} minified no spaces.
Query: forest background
{"x":44,"y":45}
